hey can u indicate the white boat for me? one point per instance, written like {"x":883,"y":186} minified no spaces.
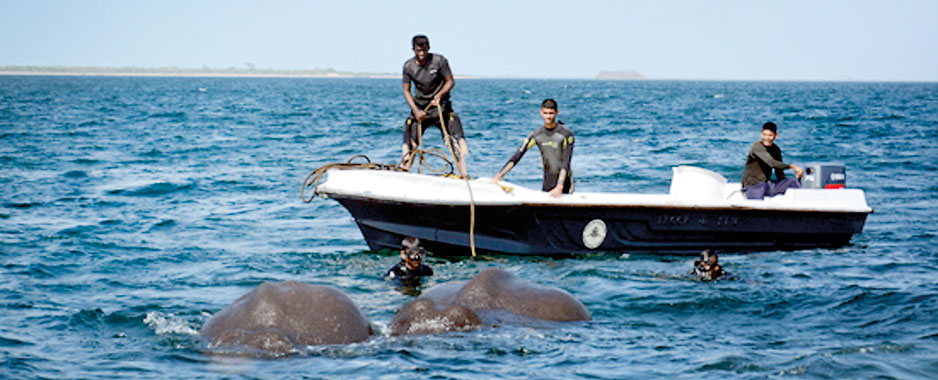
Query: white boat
{"x":701,"y":210}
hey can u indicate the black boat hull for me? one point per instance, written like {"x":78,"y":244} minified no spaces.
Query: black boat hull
{"x":540,"y":229}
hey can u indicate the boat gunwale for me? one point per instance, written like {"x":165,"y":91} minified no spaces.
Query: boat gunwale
{"x":592,"y":205}
{"x":627,"y":200}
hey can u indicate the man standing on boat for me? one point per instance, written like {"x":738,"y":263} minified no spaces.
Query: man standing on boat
{"x":764,"y":156}
{"x":433,"y":81}
{"x":556,"y":145}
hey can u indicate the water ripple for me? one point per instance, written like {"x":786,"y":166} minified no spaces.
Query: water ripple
{"x":134,"y":208}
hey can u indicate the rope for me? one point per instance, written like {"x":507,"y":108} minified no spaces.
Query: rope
{"x":446,"y":139}
{"x":472,"y":220}
{"x":423,"y":162}
{"x":449,"y":144}
{"x":419,"y":152}
{"x":313,"y":179}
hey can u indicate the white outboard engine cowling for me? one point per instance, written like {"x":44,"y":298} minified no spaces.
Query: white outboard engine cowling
{"x":824,"y":176}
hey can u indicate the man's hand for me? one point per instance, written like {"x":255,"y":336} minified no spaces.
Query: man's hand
{"x":798,"y":172}
{"x":556,"y":191}
{"x":501,"y":173}
{"x":420,"y":115}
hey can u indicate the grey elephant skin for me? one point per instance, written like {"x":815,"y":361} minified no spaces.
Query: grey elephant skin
{"x":471,"y":304}
{"x":280,"y":317}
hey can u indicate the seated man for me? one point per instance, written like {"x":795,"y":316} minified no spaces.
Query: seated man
{"x":410,"y":269}
{"x":555,"y":142}
{"x":764,"y":156}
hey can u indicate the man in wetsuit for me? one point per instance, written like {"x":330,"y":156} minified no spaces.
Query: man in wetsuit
{"x":410,"y":269}
{"x":556,"y":144}
{"x":433,"y":80}
{"x":764,"y":156}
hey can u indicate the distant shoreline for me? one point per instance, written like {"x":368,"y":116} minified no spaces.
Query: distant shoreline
{"x":233,"y":72}
{"x":245,"y":72}
{"x":205,"y":72}
{"x":190,"y":74}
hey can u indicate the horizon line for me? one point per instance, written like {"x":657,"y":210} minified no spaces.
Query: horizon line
{"x":330,"y":73}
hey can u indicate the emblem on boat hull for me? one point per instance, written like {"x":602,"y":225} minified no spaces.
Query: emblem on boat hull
{"x":594,"y":233}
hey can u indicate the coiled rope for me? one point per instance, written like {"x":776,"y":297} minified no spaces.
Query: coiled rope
{"x":313,"y":179}
{"x":420,"y":154}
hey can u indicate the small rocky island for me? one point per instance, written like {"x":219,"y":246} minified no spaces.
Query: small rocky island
{"x":620,"y":75}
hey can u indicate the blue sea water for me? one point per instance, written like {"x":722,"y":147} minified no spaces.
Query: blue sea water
{"x":133,"y":208}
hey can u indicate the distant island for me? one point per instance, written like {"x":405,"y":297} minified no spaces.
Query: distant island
{"x":248,"y":70}
{"x":620,"y":75}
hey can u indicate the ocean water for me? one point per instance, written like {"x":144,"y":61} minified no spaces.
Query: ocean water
{"x":134,"y":208}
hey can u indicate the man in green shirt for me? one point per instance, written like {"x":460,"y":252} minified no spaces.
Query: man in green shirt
{"x":764,"y":158}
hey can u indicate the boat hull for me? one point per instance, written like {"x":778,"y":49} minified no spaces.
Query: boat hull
{"x":538,"y":229}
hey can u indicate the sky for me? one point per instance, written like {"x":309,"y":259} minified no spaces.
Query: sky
{"x":818,"y":40}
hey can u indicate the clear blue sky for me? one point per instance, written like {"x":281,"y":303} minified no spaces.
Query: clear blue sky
{"x":747,"y":40}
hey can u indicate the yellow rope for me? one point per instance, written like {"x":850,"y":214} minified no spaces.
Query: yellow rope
{"x":456,"y":159}
{"x":423,"y":162}
{"x":472,"y":220}
{"x":316,"y":175}
{"x":313,"y":178}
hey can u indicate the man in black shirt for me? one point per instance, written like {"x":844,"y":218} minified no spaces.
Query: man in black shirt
{"x":556,"y":145}
{"x":411,"y":268}
{"x":433,"y":80}
{"x":764,"y":157}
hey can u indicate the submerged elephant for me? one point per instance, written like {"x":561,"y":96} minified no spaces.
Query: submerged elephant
{"x":484,"y":299}
{"x":279,"y":317}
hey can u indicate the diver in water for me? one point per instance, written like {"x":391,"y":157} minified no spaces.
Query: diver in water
{"x":411,"y":269}
{"x":708,"y":267}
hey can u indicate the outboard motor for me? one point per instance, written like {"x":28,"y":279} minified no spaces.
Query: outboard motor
{"x":824,"y":176}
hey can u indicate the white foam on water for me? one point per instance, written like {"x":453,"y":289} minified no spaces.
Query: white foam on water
{"x":169,"y":324}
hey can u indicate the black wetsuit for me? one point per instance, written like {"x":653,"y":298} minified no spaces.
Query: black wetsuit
{"x":402,"y":273}
{"x":556,"y":147}
{"x":428,"y":80}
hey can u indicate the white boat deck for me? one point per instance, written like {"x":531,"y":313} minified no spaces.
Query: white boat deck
{"x":690,"y":188}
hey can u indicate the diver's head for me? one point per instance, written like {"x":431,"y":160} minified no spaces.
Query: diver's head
{"x":707,"y":262}
{"x":412,"y":253}
{"x":702,"y":266}
{"x":709,"y":256}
